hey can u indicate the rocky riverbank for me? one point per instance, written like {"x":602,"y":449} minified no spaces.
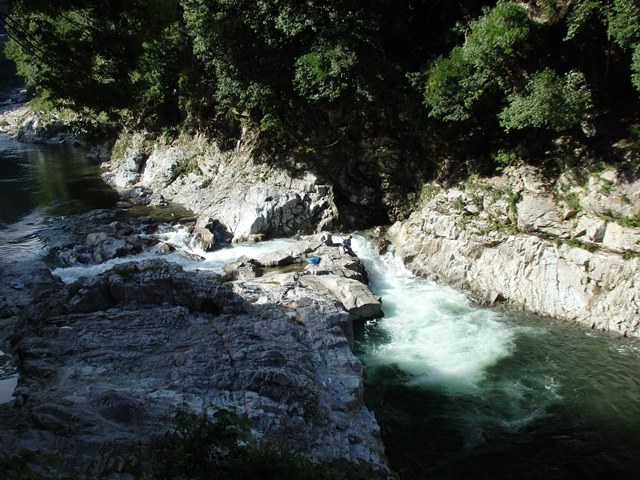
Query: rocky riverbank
{"x":106,"y":362}
{"x":20,"y":121}
{"x":565,"y":247}
{"x":568,"y":249}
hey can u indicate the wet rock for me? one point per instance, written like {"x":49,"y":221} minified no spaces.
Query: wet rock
{"x":337,"y":276}
{"x":208,"y":233}
{"x":244,"y":268}
{"x":97,"y":236}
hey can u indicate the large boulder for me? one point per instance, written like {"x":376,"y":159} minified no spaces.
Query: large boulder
{"x":337,"y":276}
{"x":248,"y":198}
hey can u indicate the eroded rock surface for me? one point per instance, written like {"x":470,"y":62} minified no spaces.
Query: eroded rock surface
{"x":521,"y":239}
{"x":105,"y":362}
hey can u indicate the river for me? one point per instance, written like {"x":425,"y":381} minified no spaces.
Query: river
{"x":460,"y":392}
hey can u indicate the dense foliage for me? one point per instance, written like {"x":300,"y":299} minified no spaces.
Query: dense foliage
{"x":8,"y":77}
{"x":453,"y":79}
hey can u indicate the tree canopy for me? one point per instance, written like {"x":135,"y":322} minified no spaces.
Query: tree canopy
{"x":449,"y":72}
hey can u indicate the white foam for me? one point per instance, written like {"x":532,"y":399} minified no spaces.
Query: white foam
{"x":436,"y":335}
{"x":187,"y":253}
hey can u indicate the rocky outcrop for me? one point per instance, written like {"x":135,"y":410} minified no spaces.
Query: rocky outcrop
{"x":350,"y":184}
{"x":100,"y":235}
{"x":337,"y":277}
{"x":34,"y":126}
{"x":106,"y":362}
{"x":250,"y":199}
{"x":551,"y":249}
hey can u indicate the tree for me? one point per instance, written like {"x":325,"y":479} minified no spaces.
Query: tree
{"x":263,"y":58}
{"x":483,"y":69}
{"x":85,"y":53}
{"x":635,"y":67}
{"x":497,"y":44}
{"x":451,"y":89}
{"x":619,"y":22}
{"x":549,"y":101}
{"x":624,"y":28}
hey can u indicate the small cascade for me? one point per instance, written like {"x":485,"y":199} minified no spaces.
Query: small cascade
{"x":175,"y":244}
{"x":434,"y":339}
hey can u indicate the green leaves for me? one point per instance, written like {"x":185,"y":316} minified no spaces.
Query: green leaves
{"x":498,"y":38}
{"x":451,"y":88}
{"x":624,"y":23}
{"x":493,"y":62}
{"x":635,"y":67}
{"x":581,"y":13}
{"x":301,"y":72}
{"x":85,"y":54}
{"x":487,"y":61}
{"x":549,"y":101}
{"x":325,"y":72}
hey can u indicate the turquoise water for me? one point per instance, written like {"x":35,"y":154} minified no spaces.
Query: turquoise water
{"x":463,"y":392}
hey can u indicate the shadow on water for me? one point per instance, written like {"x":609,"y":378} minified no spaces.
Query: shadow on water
{"x":40,"y":181}
{"x":58,"y":177}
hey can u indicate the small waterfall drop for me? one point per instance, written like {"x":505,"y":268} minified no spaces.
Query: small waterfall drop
{"x":434,"y":339}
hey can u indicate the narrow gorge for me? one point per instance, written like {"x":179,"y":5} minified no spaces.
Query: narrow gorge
{"x":338,"y":240}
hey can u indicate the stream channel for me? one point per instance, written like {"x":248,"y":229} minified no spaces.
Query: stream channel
{"x":460,"y":391}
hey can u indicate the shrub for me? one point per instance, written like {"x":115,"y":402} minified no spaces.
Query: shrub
{"x":219,"y":446}
{"x":548,"y":101}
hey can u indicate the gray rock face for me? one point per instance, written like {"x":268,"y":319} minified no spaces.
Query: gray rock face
{"x":338,"y":276}
{"x":19,"y":121}
{"x":105,"y":362}
{"x":96,"y":236}
{"x":248,"y":198}
{"x":513,"y":239}
{"x":255,"y":193}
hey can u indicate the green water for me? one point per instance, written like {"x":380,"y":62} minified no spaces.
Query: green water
{"x":463,"y":392}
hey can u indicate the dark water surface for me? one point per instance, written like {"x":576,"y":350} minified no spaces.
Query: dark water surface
{"x":463,"y":392}
{"x":38,"y":181}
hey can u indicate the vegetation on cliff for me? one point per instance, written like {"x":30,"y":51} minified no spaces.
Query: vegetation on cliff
{"x":8,"y":77}
{"x":472,"y":84}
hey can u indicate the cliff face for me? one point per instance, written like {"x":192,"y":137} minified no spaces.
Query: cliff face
{"x":250,"y":198}
{"x":566,"y":248}
{"x":553,"y":248}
